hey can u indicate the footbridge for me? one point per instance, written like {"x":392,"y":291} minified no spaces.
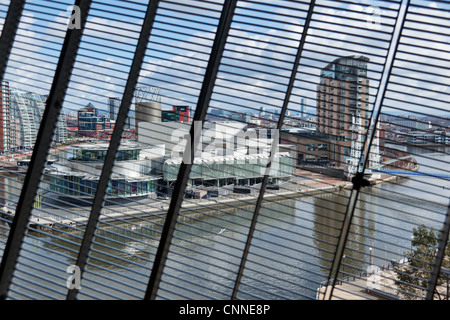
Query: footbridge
{"x":404,"y":172}
{"x":412,"y":173}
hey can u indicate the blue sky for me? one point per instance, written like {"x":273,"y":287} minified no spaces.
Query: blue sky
{"x":258,"y":57}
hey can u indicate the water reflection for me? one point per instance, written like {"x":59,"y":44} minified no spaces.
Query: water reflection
{"x":10,"y":188}
{"x":291,"y":253}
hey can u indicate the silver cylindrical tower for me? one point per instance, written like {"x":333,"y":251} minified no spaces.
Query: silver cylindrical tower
{"x":147,"y":106}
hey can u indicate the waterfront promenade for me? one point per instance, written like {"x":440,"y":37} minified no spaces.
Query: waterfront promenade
{"x":304,"y":183}
{"x":376,"y":286}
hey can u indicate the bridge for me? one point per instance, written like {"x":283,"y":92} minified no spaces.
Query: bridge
{"x":412,"y":173}
{"x":400,"y":172}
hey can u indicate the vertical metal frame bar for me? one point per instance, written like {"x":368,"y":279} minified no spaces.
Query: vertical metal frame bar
{"x":358,"y":179}
{"x":41,"y":149}
{"x":186,"y":166}
{"x":273,"y":149}
{"x":115,"y":140}
{"x":443,"y":239}
{"x":9,"y":33}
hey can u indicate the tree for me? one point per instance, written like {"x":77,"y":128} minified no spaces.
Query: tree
{"x":413,"y":277}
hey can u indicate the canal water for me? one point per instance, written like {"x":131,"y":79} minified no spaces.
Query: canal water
{"x":290,"y":256}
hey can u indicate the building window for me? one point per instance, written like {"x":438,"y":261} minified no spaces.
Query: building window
{"x":347,"y":151}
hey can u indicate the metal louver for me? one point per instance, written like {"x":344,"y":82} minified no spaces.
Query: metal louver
{"x":235,"y":149}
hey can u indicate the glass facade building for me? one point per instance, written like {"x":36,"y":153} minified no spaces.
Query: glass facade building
{"x":78,"y":177}
{"x":80,"y":186}
{"x":233,"y":167}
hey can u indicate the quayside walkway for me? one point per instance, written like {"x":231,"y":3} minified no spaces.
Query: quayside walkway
{"x":304,"y":184}
{"x":54,"y":214}
{"x":379,"y":285}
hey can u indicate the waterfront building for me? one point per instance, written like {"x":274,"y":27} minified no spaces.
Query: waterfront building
{"x":343,"y":93}
{"x":5,"y":114}
{"x":312,"y":148}
{"x":132,"y":174}
{"x":113,"y":107}
{"x":21,"y":124}
{"x":91,"y":123}
{"x":20,"y":117}
{"x":342,"y":97}
{"x":61,"y":132}
{"x":177,"y":114}
{"x":438,"y":137}
{"x":229,"y":153}
{"x":113,"y":110}
{"x":338,"y":136}
{"x":241,"y":170}
{"x":140,"y":169}
{"x":343,"y":111}
{"x":183,"y":113}
{"x":28,"y":108}
{"x":356,"y":158}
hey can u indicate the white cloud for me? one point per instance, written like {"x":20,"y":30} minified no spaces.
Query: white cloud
{"x":178,"y":61}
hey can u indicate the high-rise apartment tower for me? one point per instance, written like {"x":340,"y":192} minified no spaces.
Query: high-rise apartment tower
{"x":342,"y":102}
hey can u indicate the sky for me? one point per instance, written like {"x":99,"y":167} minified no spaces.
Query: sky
{"x":258,"y":57}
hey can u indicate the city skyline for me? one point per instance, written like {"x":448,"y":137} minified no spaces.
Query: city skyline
{"x":268,"y":114}
{"x":94,"y":70}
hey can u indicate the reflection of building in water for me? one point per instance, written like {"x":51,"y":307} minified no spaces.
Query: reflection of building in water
{"x":10,"y":188}
{"x":3,"y":195}
{"x":329,"y":215}
{"x":329,"y":211}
